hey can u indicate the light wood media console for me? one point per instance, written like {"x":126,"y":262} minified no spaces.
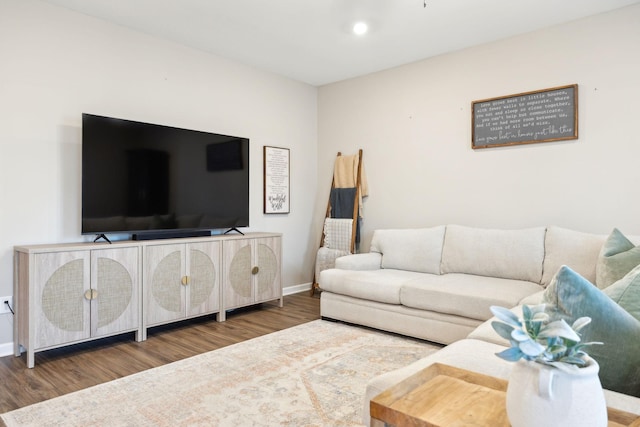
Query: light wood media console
{"x":70,"y":293}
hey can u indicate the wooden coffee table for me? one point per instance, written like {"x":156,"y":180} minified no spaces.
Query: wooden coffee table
{"x":443,"y":396}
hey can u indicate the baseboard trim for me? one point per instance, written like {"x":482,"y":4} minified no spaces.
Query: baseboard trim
{"x":290,"y":290}
{"x":6,"y":349}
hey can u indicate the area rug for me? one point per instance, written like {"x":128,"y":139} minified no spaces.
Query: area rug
{"x":309,"y":375}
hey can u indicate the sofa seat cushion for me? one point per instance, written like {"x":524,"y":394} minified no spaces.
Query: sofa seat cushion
{"x":464,"y":294}
{"x":485,"y":331}
{"x":422,"y":324}
{"x":375,"y":285}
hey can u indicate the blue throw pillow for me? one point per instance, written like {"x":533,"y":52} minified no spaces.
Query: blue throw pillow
{"x":571,"y":296}
{"x":626,"y":292}
{"x":618,"y":257}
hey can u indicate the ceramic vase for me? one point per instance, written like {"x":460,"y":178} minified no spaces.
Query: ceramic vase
{"x":541,"y":395}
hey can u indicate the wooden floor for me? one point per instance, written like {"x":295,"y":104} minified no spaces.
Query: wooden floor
{"x":68,"y":369}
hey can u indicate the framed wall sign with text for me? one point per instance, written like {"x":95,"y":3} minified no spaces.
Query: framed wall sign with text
{"x":276,"y":180}
{"x":540,"y":116}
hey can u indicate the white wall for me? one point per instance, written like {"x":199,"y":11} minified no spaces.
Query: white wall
{"x":414,"y":126}
{"x":57,"y":64}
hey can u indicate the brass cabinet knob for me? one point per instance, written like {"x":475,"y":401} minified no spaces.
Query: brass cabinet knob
{"x":255,"y":270}
{"x":91,"y":294}
{"x":185,"y":280}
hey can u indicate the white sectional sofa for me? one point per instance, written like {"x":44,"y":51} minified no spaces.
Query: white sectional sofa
{"x":438,"y":283}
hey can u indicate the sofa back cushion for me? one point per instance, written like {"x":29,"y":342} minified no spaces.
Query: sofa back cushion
{"x":575,"y":249}
{"x":509,"y":254}
{"x":418,"y":249}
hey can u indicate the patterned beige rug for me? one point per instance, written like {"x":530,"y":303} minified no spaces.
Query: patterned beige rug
{"x":310,"y":375}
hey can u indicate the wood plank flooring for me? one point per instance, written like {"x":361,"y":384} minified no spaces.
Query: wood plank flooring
{"x":68,"y":369}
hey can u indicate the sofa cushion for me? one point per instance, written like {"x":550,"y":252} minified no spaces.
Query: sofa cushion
{"x":485,"y":331}
{"x":508,"y":254}
{"x":417,"y":249}
{"x":575,"y":249}
{"x":463,"y":294}
{"x":572,"y":296}
{"x":378,"y":285}
{"x":626,"y":292}
{"x":617,"y":257}
{"x":365,"y":261}
{"x":422,"y":324}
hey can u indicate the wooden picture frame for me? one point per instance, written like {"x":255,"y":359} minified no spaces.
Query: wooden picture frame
{"x":530,"y":117}
{"x":276,"y":169}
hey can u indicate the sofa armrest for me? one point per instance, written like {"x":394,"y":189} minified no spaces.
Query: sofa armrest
{"x":366,"y":261}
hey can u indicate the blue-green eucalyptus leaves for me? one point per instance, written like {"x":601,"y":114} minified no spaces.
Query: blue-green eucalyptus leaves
{"x":536,"y":337}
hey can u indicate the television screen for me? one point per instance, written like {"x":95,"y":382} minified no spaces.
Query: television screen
{"x":143,"y":178}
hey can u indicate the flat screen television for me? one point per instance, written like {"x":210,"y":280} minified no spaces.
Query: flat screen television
{"x":156,"y":181}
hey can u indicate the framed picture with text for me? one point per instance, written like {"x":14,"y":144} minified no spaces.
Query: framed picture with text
{"x":276,"y":180}
{"x":545,"y":115}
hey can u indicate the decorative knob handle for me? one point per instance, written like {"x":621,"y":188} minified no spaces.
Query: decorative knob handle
{"x":255,"y":270}
{"x":91,"y":294}
{"x":185,"y":280}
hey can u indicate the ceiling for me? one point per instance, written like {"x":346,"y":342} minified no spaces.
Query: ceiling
{"x":312,"y":41}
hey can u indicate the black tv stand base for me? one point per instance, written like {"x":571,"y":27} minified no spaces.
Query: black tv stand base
{"x":102,"y":236}
{"x":233,"y":229}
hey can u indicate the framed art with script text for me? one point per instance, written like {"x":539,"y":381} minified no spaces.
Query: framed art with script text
{"x":276,"y":180}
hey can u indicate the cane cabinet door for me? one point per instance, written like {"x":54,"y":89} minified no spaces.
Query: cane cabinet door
{"x":181,"y":280}
{"x":115,"y":291}
{"x":252,"y":271}
{"x":61,"y":283}
{"x":203,"y":288}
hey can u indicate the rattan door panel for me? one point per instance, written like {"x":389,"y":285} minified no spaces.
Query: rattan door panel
{"x":251,"y":271}
{"x":181,"y":280}
{"x":164,"y":270}
{"x":115,"y":278}
{"x":61,"y":279}
{"x":203,"y":289}
{"x":238,"y":282}
{"x":268,"y":283}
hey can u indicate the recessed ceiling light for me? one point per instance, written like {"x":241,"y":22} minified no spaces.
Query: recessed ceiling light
{"x":360,"y":28}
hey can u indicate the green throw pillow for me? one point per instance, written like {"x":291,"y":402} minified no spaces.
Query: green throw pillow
{"x":618,"y":256}
{"x":626,"y":292}
{"x":571,"y":296}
